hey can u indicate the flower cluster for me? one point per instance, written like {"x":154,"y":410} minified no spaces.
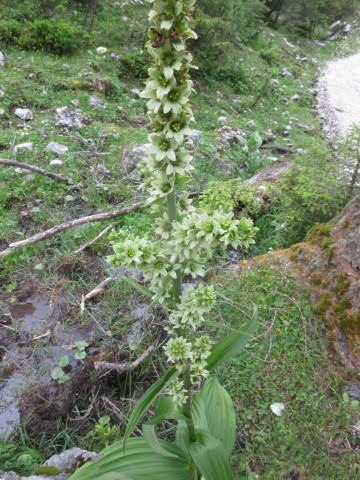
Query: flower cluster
{"x":184,"y":238}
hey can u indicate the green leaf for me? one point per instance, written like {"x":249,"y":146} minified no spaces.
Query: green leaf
{"x":80,"y":355}
{"x":81,"y":344}
{"x":57,"y":373}
{"x":231,"y":344}
{"x":153,"y":441}
{"x":148,"y":399}
{"x":217,"y":409}
{"x":64,"y":361}
{"x":167,"y":410}
{"x":145,"y":291}
{"x":139,"y":462}
{"x":210,"y":457}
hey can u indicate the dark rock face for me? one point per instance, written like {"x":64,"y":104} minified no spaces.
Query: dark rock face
{"x":329,"y":260}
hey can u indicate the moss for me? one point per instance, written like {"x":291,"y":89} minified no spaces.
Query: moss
{"x":326,"y":244}
{"x":343,"y":284}
{"x":322,"y":306}
{"x":316,"y":278}
{"x":345,"y":224}
{"x":317,"y":232}
{"x":47,"y":470}
{"x":343,"y":305}
{"x":331,"y":254}
{"x":350,"y":324}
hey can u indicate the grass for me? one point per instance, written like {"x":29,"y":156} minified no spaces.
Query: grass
{"x":286,"y":362}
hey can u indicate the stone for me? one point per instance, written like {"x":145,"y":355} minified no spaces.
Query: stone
{"x":66,"y":67}
{"x":295,"y":97}
{"x":96,"y":102}
{"x":71,"y":118}
{"x":3,"y":59}
{"x":274,"y":82}
{"x":75,"y":102}
{"x":24,"y":147}
{"x":56,"y":162}
{"x":132,"y":156}
{"x":251,"y":124}
{"x":353,"y":390}
{"x":2,"y":92}
{"x":70,"y":458}
{"x":115,"y":56}
{"x":56,"y":147}
{"x":347,"y":29}
{"x":24,"y":113}
{"x":227,"y":137}
{"x":2,"y":111}
{"x":287,"y":74}
{"x":195,"y":137}
{"x":223,"y":120}
{"x":135,"y":91}
{"x":101,"y":50}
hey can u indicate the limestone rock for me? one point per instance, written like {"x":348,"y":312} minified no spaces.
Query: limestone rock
{"x":270,"y":174}
{"x":2,"y":111}
{"x":24,"y":113}
{"x":71,"y":118}
{"x":57,"y":148}
{"x":287,"y":74}
{"x":101,"y":50}
{"x":132,"y":156}
{"x":96,"y":102}
{"x":24,"y":147}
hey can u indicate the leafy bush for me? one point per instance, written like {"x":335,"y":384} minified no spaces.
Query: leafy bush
{"x":10,"y":31}
{"x":133,"y":65}
{"x":54,"y":36}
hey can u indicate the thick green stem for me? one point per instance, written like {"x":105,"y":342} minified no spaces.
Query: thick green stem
{"x":187,"y":407}
{"x":173,"y":215}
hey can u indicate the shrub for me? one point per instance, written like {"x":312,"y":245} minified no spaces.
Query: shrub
{"x":10,"y":31}
{"x":133,"y":65}
{"x":54,"y":36}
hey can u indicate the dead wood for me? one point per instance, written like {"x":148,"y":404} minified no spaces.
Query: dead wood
{"x":32,"y":168}
{"x":124,"y":367}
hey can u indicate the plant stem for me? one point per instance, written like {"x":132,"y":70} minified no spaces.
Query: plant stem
{"x":187,"y":406}
{"x":173,"y":214}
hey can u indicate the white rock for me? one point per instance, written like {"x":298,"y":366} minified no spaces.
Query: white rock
{"x":223,"y":120}
{"x":24,"y":147}
{"x":101,"y":50}
{"x":135,"y":91}
{"x":2,"y":92}
{"x":75,"y":102}
{"x":286,"y":73}
{"x":57,"y":148}
{"x":277,"y":408}
{"x":56,"y":162}
{"x":274,"y":82}
{"x":96,"y":102}
{"x":295,"y":97}
{"x":2,"y":111}
{"x":251,"y":124}
{"x":24,"y":113}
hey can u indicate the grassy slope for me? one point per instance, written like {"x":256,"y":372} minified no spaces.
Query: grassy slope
{"x":285,"y":365}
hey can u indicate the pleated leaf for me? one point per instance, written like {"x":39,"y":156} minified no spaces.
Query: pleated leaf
{"x":210,"y":457}
{"x":214,"y":404}
{"x":139,"y":462}
{"x":145,"y":291}
{"x":231,"y":344}
{"x":147,"y":400}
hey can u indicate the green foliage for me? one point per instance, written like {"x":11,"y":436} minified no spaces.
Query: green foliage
{"x":20,"y":459}
{"x":54,"y":36}
{"x":133,"y":65}
{"x":231,"y":195}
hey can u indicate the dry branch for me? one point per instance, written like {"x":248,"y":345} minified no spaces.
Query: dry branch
{"x":32,"y":168}
{"x":71,"y":224}
{"x":101,"y":234}
{"x":124,"y":367}
{"x":94,"y":292}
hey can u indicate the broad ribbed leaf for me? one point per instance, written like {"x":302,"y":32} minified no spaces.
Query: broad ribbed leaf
{"x":137,"y":286}
{"x":210,"y":457}
{"x":166,"y":410}
{"x":153,"y":441}
{"x":148,"y":399}
{"x":139,"y":462}
{"x":114,"y":476}
{"x":231,"y":344}
{"x":216,"y":406}
{"x":182,"y":435}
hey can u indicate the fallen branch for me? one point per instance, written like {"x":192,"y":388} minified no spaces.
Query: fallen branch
{"x":101,"y":234}
{"x":32,"y":168}
{"x":124,"y":367}
{"x":94,"y":292}
{"x":71,"y":224}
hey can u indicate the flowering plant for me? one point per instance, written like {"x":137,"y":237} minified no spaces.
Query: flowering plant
{"x":184,"y":240}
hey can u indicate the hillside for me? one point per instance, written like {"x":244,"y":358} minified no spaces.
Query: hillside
{"x":73,"y":132}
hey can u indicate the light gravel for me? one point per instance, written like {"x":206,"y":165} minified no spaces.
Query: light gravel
{"x":338,"y":96}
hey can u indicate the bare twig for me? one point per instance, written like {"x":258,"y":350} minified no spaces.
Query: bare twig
{"x":94,"y":292}
{"x":101,"y":234}
{"x":124,"y":367}
{"x":32,"y":168}
{"x":72,"y":224}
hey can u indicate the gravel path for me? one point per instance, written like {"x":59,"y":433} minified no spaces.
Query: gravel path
{"x":339,"y":95}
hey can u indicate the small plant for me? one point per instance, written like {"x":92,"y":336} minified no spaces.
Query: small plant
{"x":58,"y":373}
{"x":246,"y":154}
{"x":104,"y":433}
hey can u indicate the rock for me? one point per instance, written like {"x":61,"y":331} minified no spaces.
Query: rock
{"x":329,"y":259}
{"x":24,"y":147}
{"x":274,"y":82}
{"x":101,"y":50}
{"x":70,"y":458}
{"x":295,"y":97}
{"x":195,"y":137}
{"x":75,"y":102}
{"x":96,"y":102}
{"x":2,"y":92}
{"x":347,"y":29}
{"x":132,"y":156}
{"x":270,"y":174}
{"x":135,"y":91}
{"x":2,"y":111}
{"x":287,"y":74}
{"x":66,"y":67}
{"x":115,"y":56}
{"x":57,"y":148}
{"x":353,"y":390}
{"x":98,"y":84}
{"x":24,"y":113}
{"x":251,"y":124}
{"x":3,"y":59}
{"x":223,"y":120}
{"x":71,"y":118}
{"x":100,"y":168}
{"x":227,"y":137}
{"x":56,"y":162}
